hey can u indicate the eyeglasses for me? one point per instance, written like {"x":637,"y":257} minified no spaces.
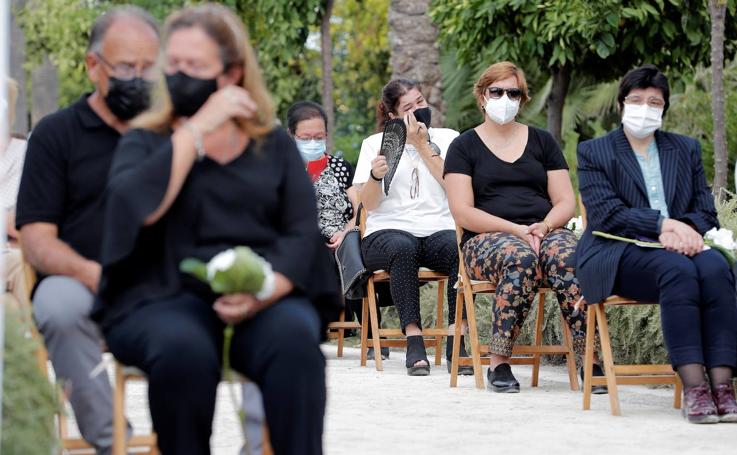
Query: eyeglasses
{"x":497,"y":92}
{"x":316,"y":137}
{"x":414,"y":189}
{"x":126,"y":71}
{"x":653,"y":101}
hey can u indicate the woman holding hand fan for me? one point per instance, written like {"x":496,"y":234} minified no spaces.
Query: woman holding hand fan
{"x":207,"y":175}
{"x":408,"y":223}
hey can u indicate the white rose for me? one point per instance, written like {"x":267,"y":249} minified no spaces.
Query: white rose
{"x":221,"y":261}
{"x":722,"y":237}
{"x":576,"y":224}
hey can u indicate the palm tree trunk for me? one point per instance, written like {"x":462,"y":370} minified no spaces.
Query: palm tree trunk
{"x":556,"y":101}
{"x":414,"y":51}
{"x":326,"y":51}
{"x":717,"y":10}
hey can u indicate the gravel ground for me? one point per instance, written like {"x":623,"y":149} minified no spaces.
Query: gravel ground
{"x":387,"y":412}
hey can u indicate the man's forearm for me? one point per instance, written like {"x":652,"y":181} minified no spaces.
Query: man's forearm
{"x":51,"y":256}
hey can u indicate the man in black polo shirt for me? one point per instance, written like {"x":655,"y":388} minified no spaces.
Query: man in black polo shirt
{"x":59,"y":211}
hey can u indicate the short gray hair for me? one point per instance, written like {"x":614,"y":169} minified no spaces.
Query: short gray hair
{"x":108,"y":18}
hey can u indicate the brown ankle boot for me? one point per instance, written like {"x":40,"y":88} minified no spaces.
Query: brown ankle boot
{"x":725,"y":402}
{"x":698,"y":405}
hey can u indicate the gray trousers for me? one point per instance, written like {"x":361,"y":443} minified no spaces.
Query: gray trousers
{"x":61,"y":307}
{"x":253,"y":426}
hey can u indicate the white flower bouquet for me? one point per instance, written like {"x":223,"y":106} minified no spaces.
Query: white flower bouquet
{"x":234,"y":271}
{"x":575,"y":224}
{"x":721,"y":240}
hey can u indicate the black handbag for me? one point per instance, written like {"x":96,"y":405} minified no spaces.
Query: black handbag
{"x":351,"y":268}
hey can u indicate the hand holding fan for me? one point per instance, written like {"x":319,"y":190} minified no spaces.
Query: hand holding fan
{"x":392,"y":146}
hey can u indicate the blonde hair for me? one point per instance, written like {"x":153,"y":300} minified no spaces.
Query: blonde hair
{"x":12,"y":99}
{"x":498,"y":72}
{"x":228,"y":32}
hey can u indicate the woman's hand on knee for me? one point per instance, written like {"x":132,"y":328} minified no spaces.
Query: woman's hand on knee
{"x":234,"y":308}
{"x":531,"y":239}
{"x":690,"y":242}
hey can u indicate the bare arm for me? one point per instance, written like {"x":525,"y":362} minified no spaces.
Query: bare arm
{"x":50,"y":256}
{"x":561,"y":195}
{"x":370,"y":192}
{"x":183,"y":157}
{"x":460,"y":200}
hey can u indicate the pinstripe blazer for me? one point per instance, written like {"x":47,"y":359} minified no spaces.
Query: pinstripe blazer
{"x":613,"y":191}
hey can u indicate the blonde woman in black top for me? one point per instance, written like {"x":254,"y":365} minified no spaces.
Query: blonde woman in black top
{"x":209,"y":172}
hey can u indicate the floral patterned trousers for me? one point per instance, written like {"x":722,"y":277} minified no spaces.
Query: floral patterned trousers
{"x":512,"y":265}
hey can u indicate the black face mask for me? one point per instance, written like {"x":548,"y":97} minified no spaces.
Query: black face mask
{"x":423,"y":115}
{"x":188,"y":93}
{"x":128,"y":98}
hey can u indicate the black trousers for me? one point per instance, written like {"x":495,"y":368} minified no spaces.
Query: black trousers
{"x":177,"y":342}
{"x":402,"y":254}
{"x":697,"y":301}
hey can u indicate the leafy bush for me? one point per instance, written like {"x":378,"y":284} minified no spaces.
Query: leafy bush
{"x":29,"y":399}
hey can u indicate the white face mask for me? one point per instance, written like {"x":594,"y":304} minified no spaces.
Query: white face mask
{"x":641,"y":120}
{"x":501,"y":110}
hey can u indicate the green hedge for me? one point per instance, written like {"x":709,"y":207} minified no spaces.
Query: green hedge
{"x":29,"y":399}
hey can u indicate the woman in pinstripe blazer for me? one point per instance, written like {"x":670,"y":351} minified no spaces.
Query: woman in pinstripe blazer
{"x":639,"y":182}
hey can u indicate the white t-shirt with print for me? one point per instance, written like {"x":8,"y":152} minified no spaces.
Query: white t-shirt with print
{"x":422,"y":216}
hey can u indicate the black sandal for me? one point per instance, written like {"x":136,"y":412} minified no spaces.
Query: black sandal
{"x":416,"y":353}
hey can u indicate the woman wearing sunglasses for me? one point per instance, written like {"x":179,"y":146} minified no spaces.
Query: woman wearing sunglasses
{"x":508,"y":187}
{"x":410,"y":226}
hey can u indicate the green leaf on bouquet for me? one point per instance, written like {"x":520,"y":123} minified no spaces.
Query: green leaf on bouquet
{"x":194,"y":267}
{"x":246,"y":275}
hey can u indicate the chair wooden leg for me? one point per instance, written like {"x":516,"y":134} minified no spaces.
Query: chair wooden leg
{"x":588,"y":363}
{"x":341,"y":334}
{"x":439,"y":324}
{"x":677,"y":393}
{"x":474,"y":335}
{"x":364,"y":330}
{"x":119,"y":430}
{"x":374,"y":319}
{"x":457,"y":331}
{"x":570,"y":356}
{"x":539,"y":321}
{"x":606,"y":348}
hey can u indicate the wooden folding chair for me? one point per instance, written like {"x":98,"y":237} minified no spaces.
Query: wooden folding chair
{"x":618,"y":374}
{"x":120,"y":444}
{"x":369,"y":315}
{"x":521,"y":354}
{"x":336,"y":330}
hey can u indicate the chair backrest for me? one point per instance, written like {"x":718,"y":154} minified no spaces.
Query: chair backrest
{"x":582,"y":209}
{"x":361,"y":218}
{"x":463,"y":275}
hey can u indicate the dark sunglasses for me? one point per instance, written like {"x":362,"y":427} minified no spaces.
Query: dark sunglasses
{"x":497,"y":92}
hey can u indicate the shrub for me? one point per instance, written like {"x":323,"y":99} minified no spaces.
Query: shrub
{"x":29,"y":399}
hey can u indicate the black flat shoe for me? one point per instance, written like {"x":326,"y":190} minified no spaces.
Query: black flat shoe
{"x":416,"y":353}
{"x":595,"y":389}
{"x":384,"y":353}
{"x":501,"y":380}
{"x":463,"y":370}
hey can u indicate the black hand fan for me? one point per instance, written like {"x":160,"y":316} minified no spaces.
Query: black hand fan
{"x":392,"y":147}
